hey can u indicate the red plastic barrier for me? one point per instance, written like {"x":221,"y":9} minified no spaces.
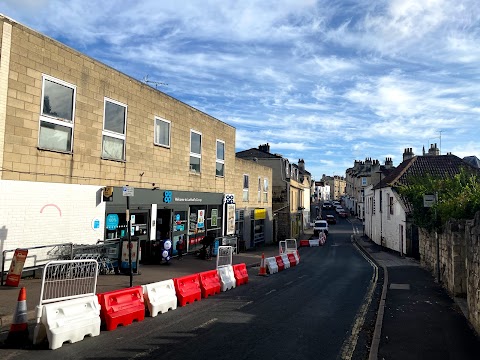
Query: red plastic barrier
{"x":280,"y":264}
{"x":188,"y":289}
{"x":209,"y":283}
{"x":241,"y":273}
{"x":292,"y":259}
{"x":121,"y":307}
{"x":304,"y":243}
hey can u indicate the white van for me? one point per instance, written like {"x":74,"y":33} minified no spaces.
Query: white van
{"x":320,"y":225}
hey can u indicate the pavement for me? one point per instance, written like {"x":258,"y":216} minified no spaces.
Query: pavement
{"x":415,"y":319}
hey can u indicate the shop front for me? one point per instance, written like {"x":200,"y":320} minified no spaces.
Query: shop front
{"x":158,"y":215}
{"x":258,"y":227}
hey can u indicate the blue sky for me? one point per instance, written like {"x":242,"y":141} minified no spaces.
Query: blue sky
{"x":326,"y":81}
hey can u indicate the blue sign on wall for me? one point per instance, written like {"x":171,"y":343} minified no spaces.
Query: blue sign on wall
{"x":111,"y":222}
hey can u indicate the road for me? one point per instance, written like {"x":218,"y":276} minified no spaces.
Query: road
{"x":305,"y":312}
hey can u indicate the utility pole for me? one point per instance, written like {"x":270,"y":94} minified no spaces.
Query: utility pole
{"x":440,"y":149}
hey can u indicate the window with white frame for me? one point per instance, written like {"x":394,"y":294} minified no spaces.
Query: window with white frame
{"x":162,"y":132}
{"x":259,"y":196}
{"x":114,"y":130}
{"x":245,"y":187}
{"x":57,"y":115}
{"x":265,"y":190}
{"x":364,"y":181}
{"x":195,"y":151}
{"x":220,"y":162}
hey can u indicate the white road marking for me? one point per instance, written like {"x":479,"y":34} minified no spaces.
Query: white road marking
{"x":242,"y":306}
{"x":271,"y":291}
{"x":289,"y":283}
{"x":205,"y":324}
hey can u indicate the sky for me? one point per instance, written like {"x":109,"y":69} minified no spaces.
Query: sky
{"x":329,"y":81}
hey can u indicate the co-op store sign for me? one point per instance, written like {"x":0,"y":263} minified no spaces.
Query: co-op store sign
{"x":194,"y":199}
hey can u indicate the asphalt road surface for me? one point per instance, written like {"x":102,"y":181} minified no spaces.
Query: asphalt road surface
{"x":305,"y":312}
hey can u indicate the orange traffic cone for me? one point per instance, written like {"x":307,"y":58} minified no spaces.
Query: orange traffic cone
{"x":18,"y":334}
{"x":263,"y":270}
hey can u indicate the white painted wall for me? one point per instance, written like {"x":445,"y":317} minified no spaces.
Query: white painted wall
{"x":38,"y":213}
{"x":382,"y":223}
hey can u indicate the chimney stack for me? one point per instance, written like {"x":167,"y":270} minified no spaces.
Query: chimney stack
{"x":388,"y":163}
{"x":301,"y":165}
{"x":408,"y":154}
{"x":433,"y":151}
{"x":264,"y":147}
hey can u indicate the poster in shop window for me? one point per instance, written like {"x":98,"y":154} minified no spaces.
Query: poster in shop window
{"x":230,"y":219}
{"x":214,"y":217}
{"x":201,"y":219}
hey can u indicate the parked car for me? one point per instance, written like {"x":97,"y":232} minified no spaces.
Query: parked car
{"x":343,"y":214}
{"x":327,"y":205}
{"x":320,"y":225}
{"x":338,"y":208}
{"x":331,"y":219}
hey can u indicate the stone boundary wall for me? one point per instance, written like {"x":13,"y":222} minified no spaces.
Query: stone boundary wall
{"x":459,"y":261}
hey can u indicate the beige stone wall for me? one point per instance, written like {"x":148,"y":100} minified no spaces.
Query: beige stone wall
{"x":459,"y":261}
{"x":254,"y":171}
{"x":33,"y":55}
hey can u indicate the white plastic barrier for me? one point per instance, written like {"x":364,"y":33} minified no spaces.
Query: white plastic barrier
{"x":227,"y":277}
{"x":314,"y":242}
{"x":160,"y":297}
{"x":68,"y":320}
{"x":272,"y":266}
{"x":285,"y":260}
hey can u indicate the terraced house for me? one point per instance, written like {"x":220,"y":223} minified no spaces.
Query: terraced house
{"x":75,"y":132}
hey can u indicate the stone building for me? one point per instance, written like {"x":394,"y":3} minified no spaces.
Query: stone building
{"x":73,"y":129}
{"x":290,"y":191}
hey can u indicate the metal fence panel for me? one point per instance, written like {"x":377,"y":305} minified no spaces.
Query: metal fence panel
{"x":68,"y":279}
{"x":224,"y":256}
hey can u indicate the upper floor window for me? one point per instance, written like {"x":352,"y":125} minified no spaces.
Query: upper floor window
{"x":57,"y":115}
{"x":195,"y":151}
{"x":245,"y":187}
{"x":114,"y":130}
{"x":364,"y":181}
{"x":265,"y":190}
{"x":390,"y":205}
{"x":220,"y":162}
{"x":259,"y":196}
{"x":162,"y":132}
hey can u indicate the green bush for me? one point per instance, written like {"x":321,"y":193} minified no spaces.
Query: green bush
{"x":458,"y":198}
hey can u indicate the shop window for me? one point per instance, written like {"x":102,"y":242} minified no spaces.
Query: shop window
{"x":245,"y":187}
{"x":195,"y":151}
{"x":57,"y":115}
{"x":220,"y":163}
{"x":114,"y":130}
{"x":162,"y":132}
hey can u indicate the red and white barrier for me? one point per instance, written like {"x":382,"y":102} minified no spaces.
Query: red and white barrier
{"x":209,"y":283}
{"x":272,"y":266}
{"x":227,"y":277}
{"x":160,"y":297}
{"x":241,"y":274}
{"x":188,"y":289}
{"x":121,"y":307}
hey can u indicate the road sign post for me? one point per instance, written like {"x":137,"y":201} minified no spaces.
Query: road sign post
{"x":127,"y":192}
